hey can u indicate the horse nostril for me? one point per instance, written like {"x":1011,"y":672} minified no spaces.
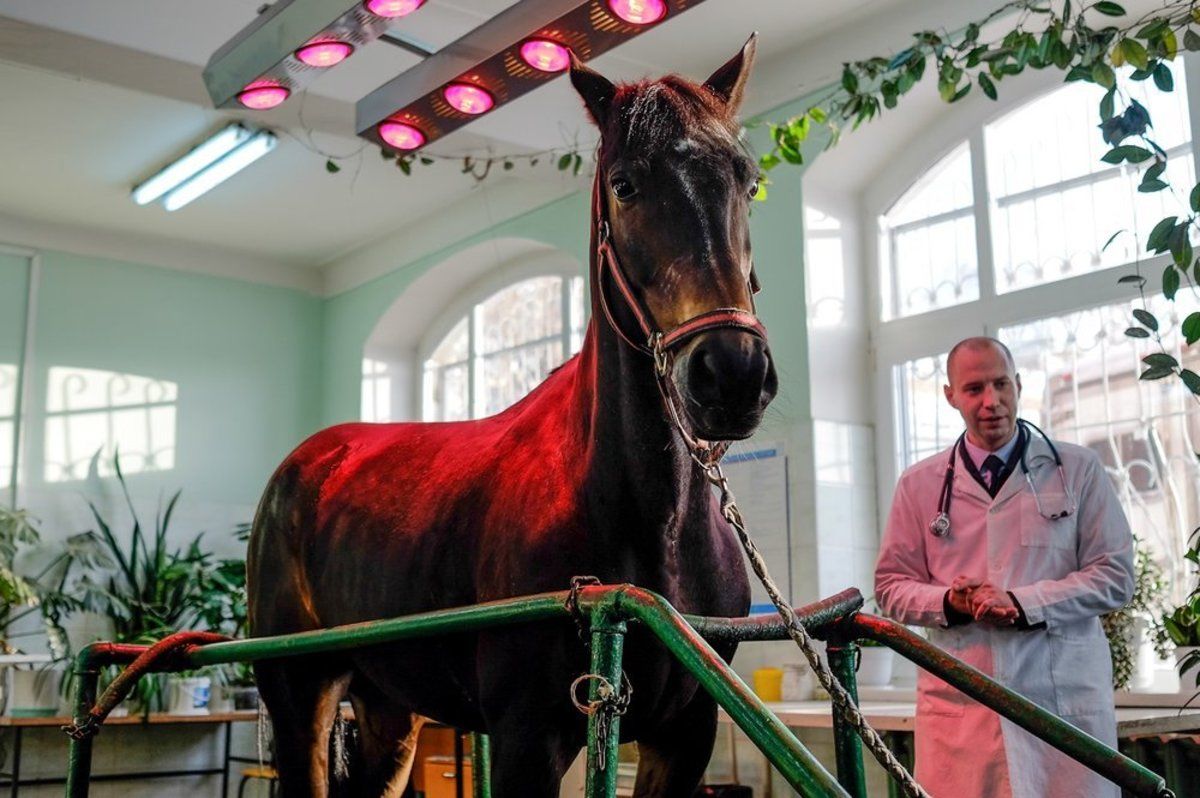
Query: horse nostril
{"x":702,"y":377}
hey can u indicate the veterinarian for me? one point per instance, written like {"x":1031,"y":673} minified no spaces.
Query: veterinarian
{"x":1009,"y":547}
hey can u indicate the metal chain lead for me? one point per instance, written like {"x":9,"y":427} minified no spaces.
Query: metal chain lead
{"x":842,"y":702}
{"x":708,"y":458}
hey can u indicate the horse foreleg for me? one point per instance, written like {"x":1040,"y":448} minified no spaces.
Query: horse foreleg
{"x":302,"y":699}
{"x":529,"y":762}
{"x":673,"y":756}
{"x":388,"y":736}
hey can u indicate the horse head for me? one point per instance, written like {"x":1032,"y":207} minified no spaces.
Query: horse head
{"x":672,"y":200}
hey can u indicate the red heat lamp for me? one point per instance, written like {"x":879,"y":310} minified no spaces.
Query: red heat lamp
{"x":392,"y":8}
{"x":468,"y":98}
{"x":545,"y":55}
{"x":261,"y":96}
{"x":324,"y":54}
{"x":639,"y":12}
{"x":401,"y":136}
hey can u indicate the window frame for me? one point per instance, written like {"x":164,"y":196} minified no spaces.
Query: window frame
{"x":898,"y":340}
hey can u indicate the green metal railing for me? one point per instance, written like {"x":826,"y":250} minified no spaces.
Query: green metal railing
{"x":610,"y":609}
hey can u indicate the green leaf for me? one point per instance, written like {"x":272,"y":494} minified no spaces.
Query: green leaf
{"x":1163,"y":78}
{"x":1109,"y":9}
{"x":1191,"y":328}
{"x":1155,"y":373}
{"x":987,"y":86}
{"x":849,"y":80}
{"x":578,"y":164}
{"x":769,"y":161}
{"x":1127,"y":152}
{"x":426,"y":160}
{"x":564,"y":163}
{"x":1111,"y":239}
{"x":405,"y":165}
{"x":817,"y":114}
{"x":1191,"y":379}
{"x":1160,"y":360}
{"x":1181,"y":247}
{"x":1159,"y":236}
{"x":1103,"y":74}
{"x":331,"y":167}
{"x":1136,"y":332}
{"x":1191,"y":41}
{"x":1170,"y":282}
{"x":1150,"y":186}
{"x":1133,"y":278}
{"x":387,"y":154}
{"x":1106,"y":105}
{"x":1146,"y":318}
{"x":1194,"y":198}
{"x":508,"y":165}
{"x":1133,"y":52}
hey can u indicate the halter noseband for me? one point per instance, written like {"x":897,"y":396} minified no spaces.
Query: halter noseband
{"x":659,"y":344}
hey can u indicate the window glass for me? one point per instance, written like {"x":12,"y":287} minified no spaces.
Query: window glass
{"x":1079,"y":376}
{"x":925,"y":423}
{"x":825,"y":269}
{"x":928,"y":244}
{"x":520,"y":333}
{"x":1056,"y":203}
{"x":89,"y":410}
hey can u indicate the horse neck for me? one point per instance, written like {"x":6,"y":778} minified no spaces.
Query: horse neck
{"x":641,"y":477}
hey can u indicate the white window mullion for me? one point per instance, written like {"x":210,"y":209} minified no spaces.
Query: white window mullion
{"x":475,"y":363}
{"x":984,"y":256}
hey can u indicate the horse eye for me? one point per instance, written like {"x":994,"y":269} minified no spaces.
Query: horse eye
{"x":754,"y":189}
{"x":622,"y":189}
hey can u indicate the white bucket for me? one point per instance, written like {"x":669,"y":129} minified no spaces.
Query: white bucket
{"x":190,"y":695}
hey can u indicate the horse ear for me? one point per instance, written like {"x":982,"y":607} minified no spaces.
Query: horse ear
{"x":596,"y":90}
{"x":729,"y":81}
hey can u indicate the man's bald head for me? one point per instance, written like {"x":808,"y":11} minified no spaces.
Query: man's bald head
{"x":976,"y":344}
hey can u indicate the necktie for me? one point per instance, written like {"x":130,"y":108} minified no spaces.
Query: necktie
{"x":993,"y":466}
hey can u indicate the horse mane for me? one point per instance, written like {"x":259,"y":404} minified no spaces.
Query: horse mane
{"x":650,"y":116}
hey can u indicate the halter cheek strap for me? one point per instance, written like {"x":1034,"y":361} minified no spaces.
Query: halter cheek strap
{"x":658,"y":343}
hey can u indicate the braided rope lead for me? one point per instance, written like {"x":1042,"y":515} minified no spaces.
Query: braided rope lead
{"x":842,"y":702}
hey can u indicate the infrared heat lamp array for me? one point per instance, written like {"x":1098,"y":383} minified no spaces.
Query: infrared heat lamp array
{"x":512,"y":53}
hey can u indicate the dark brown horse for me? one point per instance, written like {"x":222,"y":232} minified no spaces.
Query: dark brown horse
{"x":586,"y":475}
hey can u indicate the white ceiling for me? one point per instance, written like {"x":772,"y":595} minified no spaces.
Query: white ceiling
{"x":98,"y":96}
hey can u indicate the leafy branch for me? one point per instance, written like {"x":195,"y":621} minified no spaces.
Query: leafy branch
{"x":1086,"y":43}
{"x":569,"y":159}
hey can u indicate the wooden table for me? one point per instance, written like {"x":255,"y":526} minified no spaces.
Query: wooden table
{"x":18,"y":726}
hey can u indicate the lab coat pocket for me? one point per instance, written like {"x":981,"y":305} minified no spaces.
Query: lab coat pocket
{"x":1082,"y":673}
{"x":1041,"y":532}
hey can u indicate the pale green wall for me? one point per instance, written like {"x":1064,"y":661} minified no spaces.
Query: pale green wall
{"x":245,"y":357}
{"x":351,"y":316}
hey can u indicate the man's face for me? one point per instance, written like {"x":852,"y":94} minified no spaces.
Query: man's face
{"x":984,"y":389}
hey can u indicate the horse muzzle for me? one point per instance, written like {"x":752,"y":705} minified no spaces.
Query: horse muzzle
{"x":726,"y":378}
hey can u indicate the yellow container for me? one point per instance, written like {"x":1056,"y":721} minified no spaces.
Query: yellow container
{"x":768,"y":684}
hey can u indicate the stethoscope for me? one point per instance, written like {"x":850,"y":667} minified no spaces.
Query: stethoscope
{"x":940,"y":525}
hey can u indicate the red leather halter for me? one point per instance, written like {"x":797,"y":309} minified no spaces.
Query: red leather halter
{"x":660,"y":344}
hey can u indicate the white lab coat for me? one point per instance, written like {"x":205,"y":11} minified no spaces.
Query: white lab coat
{"x":1065,"y":573}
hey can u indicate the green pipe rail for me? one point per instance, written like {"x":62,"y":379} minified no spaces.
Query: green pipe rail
{"x":610,"y":609}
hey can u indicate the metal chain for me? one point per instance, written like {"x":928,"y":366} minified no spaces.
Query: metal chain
{"x":842,"y":702}
{"x":610,"y":704}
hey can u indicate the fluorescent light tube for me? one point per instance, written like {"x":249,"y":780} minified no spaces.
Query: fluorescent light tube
{"x":262,"y":143}
{"x":202,"y":155}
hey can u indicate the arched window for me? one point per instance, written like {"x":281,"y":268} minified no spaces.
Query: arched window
{"x":1005,"y":236}
{"x":502,"y":348}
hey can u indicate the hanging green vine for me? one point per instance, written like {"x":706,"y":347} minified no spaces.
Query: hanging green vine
{"x":1088,"y":43}
{"x":479,"y":167}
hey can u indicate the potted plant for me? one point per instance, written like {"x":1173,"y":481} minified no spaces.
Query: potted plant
{"x":1183,"y":624}
{"x":1135,"y":631}
{"x":153,"y":589}
{"x":224,"y":609}
{"x":30,"y":686}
